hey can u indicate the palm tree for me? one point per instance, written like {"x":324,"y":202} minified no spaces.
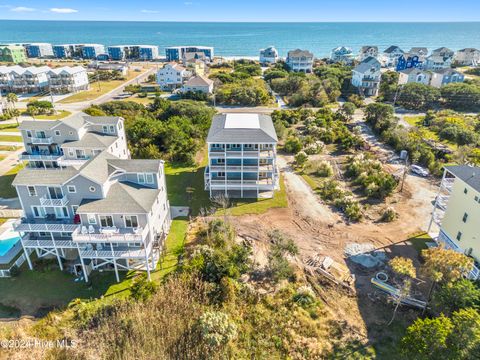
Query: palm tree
{"x":33,"y":110}
{"x":11,"y":100}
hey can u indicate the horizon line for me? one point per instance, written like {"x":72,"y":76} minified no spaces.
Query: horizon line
{"x":260,"y":22}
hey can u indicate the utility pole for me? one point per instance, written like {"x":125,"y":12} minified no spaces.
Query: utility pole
{"x":397,"y":93}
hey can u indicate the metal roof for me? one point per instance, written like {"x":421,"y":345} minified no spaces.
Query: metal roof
{"x":224,"y":130}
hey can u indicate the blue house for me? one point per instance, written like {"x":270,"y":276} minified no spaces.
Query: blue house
{"x":91,"y":51}
{"x":179,"y":53}
{"x":408,"y":61}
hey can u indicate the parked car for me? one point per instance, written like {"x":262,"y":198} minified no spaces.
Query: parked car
{"x":419,"y":170}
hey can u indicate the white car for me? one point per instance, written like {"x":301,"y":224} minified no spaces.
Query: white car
{"x":419,"y":170}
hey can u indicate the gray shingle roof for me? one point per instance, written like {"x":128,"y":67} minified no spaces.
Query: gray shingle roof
{"x":367,"y":64}
{"x":76,"y":121}
{"x":199,"y":81}
{"x":447,"y":71}
{"x":102,"y":120}
{"x":97,"y":168}
{"x":391,"y":49}
{"x":265,"y":133}
{"x":136,"y":166}
{"x":124,"y":198}
{"x":299,"y":52}
{"x":468,"y":174}
{"x":92,"y":140}
{"x":38,"y":125}
{"x":29,"y":176}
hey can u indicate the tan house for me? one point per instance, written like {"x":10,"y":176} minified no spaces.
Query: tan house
{"x":198,"y":84}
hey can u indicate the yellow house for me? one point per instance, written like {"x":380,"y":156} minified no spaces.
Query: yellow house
{"x":457,"y":212}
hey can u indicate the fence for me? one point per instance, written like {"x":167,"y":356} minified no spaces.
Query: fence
{"x":9,"y":213}
{"x":19,"y":262}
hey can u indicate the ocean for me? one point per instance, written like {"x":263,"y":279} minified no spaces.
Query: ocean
{"x":245,"y":39}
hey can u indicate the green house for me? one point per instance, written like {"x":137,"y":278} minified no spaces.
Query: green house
{"x":12,"y":53}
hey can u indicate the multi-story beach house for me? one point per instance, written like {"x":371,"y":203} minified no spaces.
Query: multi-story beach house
{"x":437,"y":62}
{"x":172,"y":76}
{"x":91,"y":51}
{"x":390,"y":56}
{"x":300,"y":61}
{"x":12,"y":53}
{"x":180,"y":53}
{"x":414,"y":75}
{"x":366,"y":76}
{"x":421,"y":52}
{"x":467,"y":57}
{"x":268,"y":55}
{"x":68,"y":79}
{"x":39,"y":50}
{"x":342,"y":54}
{"x":444,"y":52}
{"x":408,"y":61}
{"x":97,"y":208}
{"x":132,"y":52}
{"x":444,"y":77}
{"x":368,"y":51}
{"x":198,"y":83}
{"x":456,"y":213}
{"x":242,"y":156}
{"x":34,"y":79}
{"x":67,"y":51}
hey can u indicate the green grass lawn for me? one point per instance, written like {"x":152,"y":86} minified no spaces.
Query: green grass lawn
{"x":11,"y":138}
{"x":9,"y":127}
{"x":59,"y":115}
{"x":419,"y":241}
{"x":8,"y":147}
{"x":417,"y":121}
{"x":6,"y":188}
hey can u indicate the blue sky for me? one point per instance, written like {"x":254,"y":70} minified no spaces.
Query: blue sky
{"x":241,"y":10}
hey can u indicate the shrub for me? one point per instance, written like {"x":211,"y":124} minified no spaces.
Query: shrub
{"x":389,"y":215}
{"x":217,"y":328}
{"x":278,"y":266}
{"x":301,"y":158}
{"x":304,"y":296}
{"x":321,"y":168}
{"x":293,"y":145}
{"x":142,"y":288}
{"x":350,"y":207}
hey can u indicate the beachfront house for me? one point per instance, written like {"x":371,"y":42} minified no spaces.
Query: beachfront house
{"x":39,"y":50}
{"x":72,"y":141}
{"x":444,"y":77}
{"x":12,"y":53}
{"x":268,"y":55}
{"x":408,"y":61}
{"x":91,"y":51}
{"x":242,"y":150}
{"x":368,"y":51}
{"x":444,"y":52}
{"x":467,"y":57}
{"x":29,"y":80}
{"x":342,"y":54}
{"x":67,"y":51}
{"x":68,"y":79}
{"x":198,"y":83}
{"x":422,"y":52}
{"x":456,"y":213}
{"x":172,"y":76}
{"x":437,"y":62}
{"x":181,"y":53}
{"x":366,"y":77}
{"x":390,"y":56}
{"x":100,"y":211}
{"x":300,"y":61}
{"x":414,"y":75}
{"x":132,"y":52}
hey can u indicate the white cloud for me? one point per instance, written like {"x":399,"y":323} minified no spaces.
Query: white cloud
{"x":146,"y":11}
{"x":63,"y":10}
{"x":22,"y":9}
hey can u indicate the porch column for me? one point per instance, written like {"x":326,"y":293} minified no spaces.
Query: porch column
{"x":56,"y":251}
{"x":114,"y":262}
{"x":241,"y":172}
{"x":83,"y":264}
{"x":25,"y":251}
{"x":147,"y":258}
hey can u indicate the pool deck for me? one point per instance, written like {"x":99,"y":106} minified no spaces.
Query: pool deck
{"x":6,"y":232}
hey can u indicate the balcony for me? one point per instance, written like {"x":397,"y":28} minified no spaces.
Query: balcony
{"x":46,"y":201}
{"x":36,"y":156}
{"x":244,"y":168}
{"x":41,"y":141}
{"x":47,"y":224}
{"x":93,"y":234}
{"x":62,"y":161}
{"x":32,"y":241}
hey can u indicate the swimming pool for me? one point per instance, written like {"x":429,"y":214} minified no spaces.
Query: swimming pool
{"x":7,"y":244}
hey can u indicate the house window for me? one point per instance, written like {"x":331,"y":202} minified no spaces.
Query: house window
{"x":131,"y":221}
{"x":141,"y":178}
{"x":32,"y":191}
{"x":149,"y":178}
{"x":112,"y":128}
{"x":38,"y":211}
{"x":221,"y":161}
{"x":459,"y":235}
{"x":70,"y":152}
{"x":106,"y":221}
{"x":476,"y":198}
{"x":91,"y":219}
{"x":61,"y":212}
{"x":29,"y":133}
{"x":71,"y":189}
{"x":221,"y":174}
{"x":92,"y":188}
{"x":105,"y":128}
{"x":465,"y":217}
{"x":80,"y":154}
{"x":119,"y":126}
{"x":57,"y":132}
{"x":74,"y":209}
{"x":71,"y":132}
